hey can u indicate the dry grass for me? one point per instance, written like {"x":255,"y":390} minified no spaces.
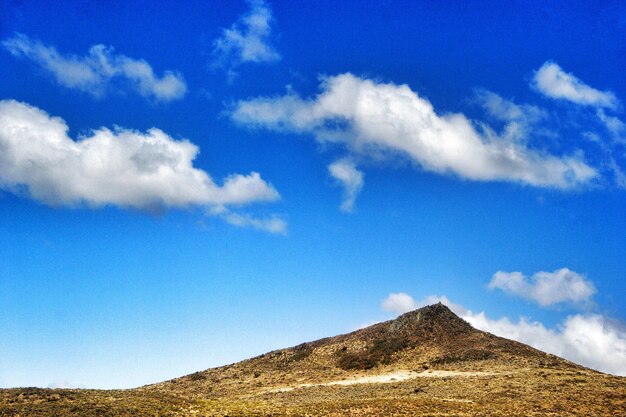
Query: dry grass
{"x":303,"y":381}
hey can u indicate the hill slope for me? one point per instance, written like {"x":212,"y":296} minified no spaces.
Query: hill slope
{"x":425,"y":362}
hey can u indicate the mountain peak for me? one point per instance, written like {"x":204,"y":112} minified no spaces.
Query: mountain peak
{"x":434,"y":317}
{"x":428,"y":338}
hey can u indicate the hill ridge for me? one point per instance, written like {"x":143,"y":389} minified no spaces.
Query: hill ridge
{"x":430,"y":337}
{"x":425,"y":362}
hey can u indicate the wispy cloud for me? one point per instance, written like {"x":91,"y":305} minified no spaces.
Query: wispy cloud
{"x":520,"y":119}
{"x":614,"y":125}
{"x":247,"y":40}
{"x":350,"y":178}
{"x":384,"y":120}
{"x":63,"y":385}
{"x":507,"y":110}
{"x":120,"y":167}
{"x":551,"y":81}
{"x":100,"y":71}
{"x":592,"y":340}
{"x":546,"y":288}
{"x":272,"y":224}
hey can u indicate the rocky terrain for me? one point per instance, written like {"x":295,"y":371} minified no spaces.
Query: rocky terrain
{"x":426,"y":362}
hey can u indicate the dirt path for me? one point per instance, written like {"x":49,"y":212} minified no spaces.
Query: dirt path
{"x":386,"y":378}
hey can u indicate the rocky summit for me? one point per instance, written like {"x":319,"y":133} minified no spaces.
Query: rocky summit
{"x":428,"y":362}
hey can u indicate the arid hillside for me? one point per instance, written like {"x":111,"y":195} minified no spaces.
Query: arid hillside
{"x":425,"y":362}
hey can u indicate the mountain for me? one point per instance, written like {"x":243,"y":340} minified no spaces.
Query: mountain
{"x":425,"y":362}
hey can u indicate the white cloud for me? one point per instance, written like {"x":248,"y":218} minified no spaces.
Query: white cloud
{"x":100,"y":70}
{"x":242,"y":189}
{"x":546,"y":288}
{"x":591,"y":340}
{"x":346,"y":173}
{"x":507,"y":110}
{"x":63,"y":385}
{"x":399,"y":303}
{"x":248,"y":39}
{"x":271,"y":224}
{"x":434,"y":299}
{"x":119,"y":167}
{"x":520,"y":118}
{"x":553,"y":82}
{"x":380,"y":120}
{"x":611,"y":150}
{"x":614,"y":125}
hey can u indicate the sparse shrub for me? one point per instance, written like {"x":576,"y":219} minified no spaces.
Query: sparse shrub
{"x":380,"y":351}
{"x":467,"y":355}
{"x":197,"y":376}
{"x":300,"y":352}
{"x":360,"y":360}
{"x":385,"y":348}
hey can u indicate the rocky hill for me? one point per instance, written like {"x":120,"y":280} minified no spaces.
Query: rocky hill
{"x":425,"y":362}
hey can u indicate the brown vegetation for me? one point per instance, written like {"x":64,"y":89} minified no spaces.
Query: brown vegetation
{"x":449,"y":369}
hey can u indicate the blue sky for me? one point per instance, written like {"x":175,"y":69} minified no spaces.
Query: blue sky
{"x":184,"y":187}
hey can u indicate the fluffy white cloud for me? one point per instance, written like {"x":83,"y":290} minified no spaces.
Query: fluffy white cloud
{"x":98,"y":71}
{"x":346,"y":173}
{"x":118,"y":167}
{"x":591,"y":340}
{"x":248,"y":39}
{"x":398,"y":303}
{"x":553,"y":82}
{"x":379,"y":120}
{"x":546,"y":288}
